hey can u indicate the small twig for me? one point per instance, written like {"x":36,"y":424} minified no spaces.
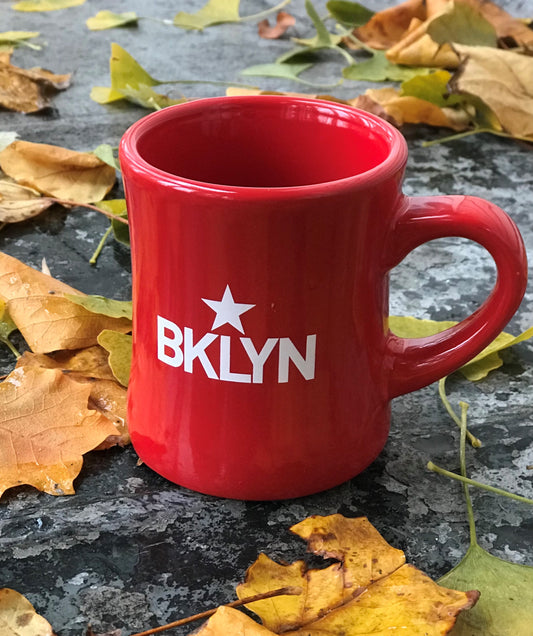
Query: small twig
{"x":100,"y":247}
{"x":76,"y":204}
{"x":283,"y":591}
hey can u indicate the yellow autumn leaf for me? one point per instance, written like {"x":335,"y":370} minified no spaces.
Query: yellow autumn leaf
{"x":46,"y":427}
{"x":504,"y":81}
{"x":370,"y":590}
{"x":46,"y":5}
{"x":19,"y":618}
{"x":47,"y":320}
{"x":119,"y":347}
{"x":19,"y":203}
{"x":58,"y":172}
{"x":27,"y":90}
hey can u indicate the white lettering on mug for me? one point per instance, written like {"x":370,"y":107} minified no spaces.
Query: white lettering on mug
{"x":177,"y":346}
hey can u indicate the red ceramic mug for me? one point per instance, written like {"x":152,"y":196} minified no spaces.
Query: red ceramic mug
{"x":263,"y":230}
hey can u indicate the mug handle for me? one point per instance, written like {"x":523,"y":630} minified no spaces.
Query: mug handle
{"x":417,"y":362}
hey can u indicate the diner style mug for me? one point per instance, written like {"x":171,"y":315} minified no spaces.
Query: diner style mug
{"x":263,"y":230}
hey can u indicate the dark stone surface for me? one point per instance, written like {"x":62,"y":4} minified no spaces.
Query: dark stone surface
{"x":130,"y":549}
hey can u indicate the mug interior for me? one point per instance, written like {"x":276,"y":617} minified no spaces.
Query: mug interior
{"x":264,"y":142}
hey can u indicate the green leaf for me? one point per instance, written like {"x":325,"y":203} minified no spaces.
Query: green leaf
{"x":505,"y":607}
{"x":462,"y":25}
{"x":109,"y":20}
{"x":433,"y":88}
{"x":214,"y":12}
{"x":106,"y":153}
{"x":17,"y":38}
{"x":379,"y":69}
{"x":147,"y":98}
{"x":284,"y":70}
{"x":121,"y":231}
{"x":7,"y":327}
{"x":480,"y":366}
{"x":349,"y":14}
{"x":323,"y":37}
{"x":119,"y":347}
{"x":103,"y":306}
{"x":46,"y":5}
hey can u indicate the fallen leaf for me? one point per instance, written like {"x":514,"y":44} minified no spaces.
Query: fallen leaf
{"x":507,"y":27}
{"x":503,"y":80}
{"x":121,"y":231}
{"x":284,"y":70}
{"x":370,"y":590}
{"x":106,"y":153}
{"x":104,"y":306}
{"x":46,"y":428}
{"x":6,"y":138}
{"x":9,"y":39}
{"x":7,"y":327}
{"x":19,"y":618}
{"x":110,"y":399}
{"x":284,"y":21}
{"x":28,"y":90}
{"x":90,"y":362}
{"x":58,"y":172}
{"x":19,"y":203}
{"x":349,"y":14}
{"x":46,"y":5}
{"x":47,"y":320}
{"x":109,"y":20}
{"x":130,"y":81}
{"x":214,"y":12}
{"x":119,"y":347}
{"x":227,"y":621}
{"x":480,"y":366}
{"x":462,"y":24}
{"x":386,"y":28}
{"x":379,"y":69}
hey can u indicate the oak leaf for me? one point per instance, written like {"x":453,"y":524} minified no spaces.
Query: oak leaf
{"x":58,"y":172}
{"x":19,"y":618}
{"x":46,"y":428}
{"x":27,"y":90}
{"x":47,"y":320}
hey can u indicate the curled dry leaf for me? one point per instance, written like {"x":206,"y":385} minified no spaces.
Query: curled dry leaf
{"x":370,"y":590}
{"x":58,"y":172}
{"x":19,"y":618}
{"x":46,"y":428}
{"x":47,"y":320}
{"x":27,"y":90}
{"x":19,"y":203}
{"x":284,"y":21}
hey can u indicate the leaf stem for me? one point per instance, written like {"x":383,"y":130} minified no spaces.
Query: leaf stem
{"x":477,"y":484}
{"x":476,"y":443}
{"x":462,"y":461}
{"x":283,"y":591}
{"x":263,"y":14}
{"x":76,"y":204}
{"x":100,"y":247}
{"x":11,"y":347}
{"x":474,"y":131}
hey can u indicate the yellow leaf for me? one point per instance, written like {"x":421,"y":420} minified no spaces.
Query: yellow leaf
{"x":119,"y":347}
{"x":230,"y":622}
{"x":503,"y":80}
{"x":18,"y":616}
{"x":109,"y":20}
{"x":46,"y":5}
{"x":214,"y":12}
{"x":18,"y":203}
{"x":58,"y":172}
{"x":26,"y":91}
{"x":110,"y":399}
{"x":46,"y":427}
{"x":46,"y":319}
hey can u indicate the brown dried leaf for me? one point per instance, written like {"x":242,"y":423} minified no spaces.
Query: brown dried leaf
{"x":505,"y":24}
{"x":46,"y":428}
{"x":58,"y":172}
{"x":48,"y":321}
{"x":19,"y":203}
{"x":19,"y":618}
{"x":504,"y":81}
{"x":283,"y":22}
{"x":27,"y":90}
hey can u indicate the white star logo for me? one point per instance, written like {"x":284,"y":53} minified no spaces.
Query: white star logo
{"x":227,"y":310}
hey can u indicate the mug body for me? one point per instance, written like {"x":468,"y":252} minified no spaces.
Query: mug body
{"x":260,"y":292}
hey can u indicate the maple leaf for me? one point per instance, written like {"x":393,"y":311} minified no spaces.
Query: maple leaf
{"x":46,"y":428}
{"x":19,"y":618}
{"x":46,"y":319}
{"x":58,"y":172}
{"x":370,"y":590}
{"x":27,"y":90}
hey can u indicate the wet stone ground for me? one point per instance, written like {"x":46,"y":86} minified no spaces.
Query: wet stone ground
{"x":131,"y":550}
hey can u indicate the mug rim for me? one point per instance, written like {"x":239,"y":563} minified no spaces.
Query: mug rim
{"x":393,"y":162}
